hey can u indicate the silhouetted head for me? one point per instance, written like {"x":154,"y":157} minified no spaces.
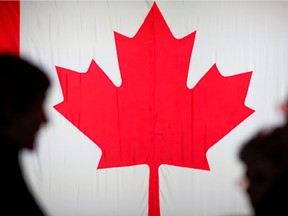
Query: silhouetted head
{"x":266,"y":159}
{"x":23,"y":89}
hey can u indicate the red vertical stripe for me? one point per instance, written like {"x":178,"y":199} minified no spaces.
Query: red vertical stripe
{"x":10,"y":27}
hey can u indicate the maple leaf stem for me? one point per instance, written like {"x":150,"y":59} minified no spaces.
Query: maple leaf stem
{"x":153,"y":192}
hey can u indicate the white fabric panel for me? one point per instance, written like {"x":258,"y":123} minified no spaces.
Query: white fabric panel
{"x":238,"y":36}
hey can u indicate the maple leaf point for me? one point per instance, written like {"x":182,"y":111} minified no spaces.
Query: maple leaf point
{"x":153,"y":117}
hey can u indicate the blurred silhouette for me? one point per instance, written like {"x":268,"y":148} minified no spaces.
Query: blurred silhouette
{"x":265,"y":157}
{"x":23,"y":89}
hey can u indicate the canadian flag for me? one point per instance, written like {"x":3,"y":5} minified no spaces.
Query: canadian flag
{"x":150,"y":101}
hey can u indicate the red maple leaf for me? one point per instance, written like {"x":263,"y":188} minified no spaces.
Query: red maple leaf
{"x":153,"y":118}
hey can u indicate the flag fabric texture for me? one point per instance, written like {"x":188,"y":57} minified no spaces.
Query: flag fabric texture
{"x":150,"y":100}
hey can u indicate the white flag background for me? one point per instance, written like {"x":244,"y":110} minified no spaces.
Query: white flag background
{"x":238,"y":36}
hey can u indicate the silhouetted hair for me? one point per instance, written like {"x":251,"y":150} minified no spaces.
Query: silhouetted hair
{"x":266,"y":158}
{"x":270,"y":147}
{"x":21,"y":83}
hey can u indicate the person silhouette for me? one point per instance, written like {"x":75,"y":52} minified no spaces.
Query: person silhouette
{"x":23,"y":88}
{"x":265,"y":157}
